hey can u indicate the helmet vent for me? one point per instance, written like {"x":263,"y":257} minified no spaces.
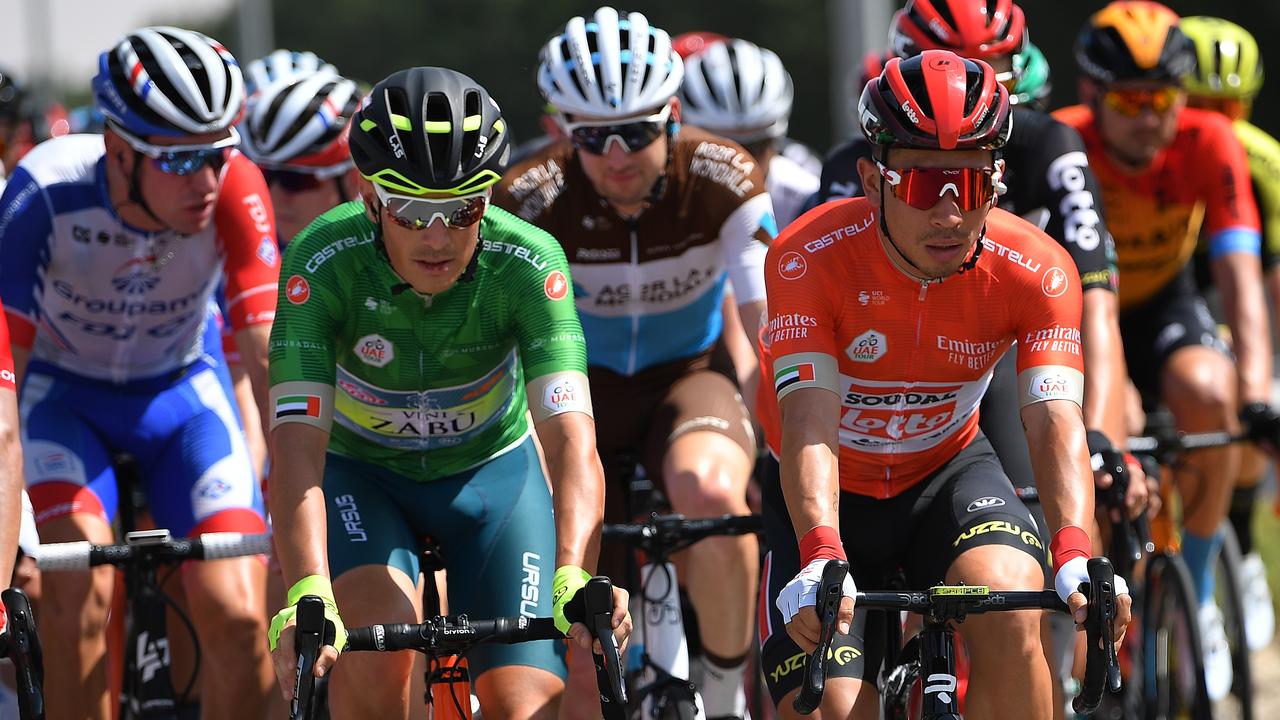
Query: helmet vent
{"x":438,"y":110}
{"x":398,"y":104}
{"x":471,"y":138}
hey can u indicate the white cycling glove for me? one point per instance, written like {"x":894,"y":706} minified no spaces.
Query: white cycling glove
{"x":803,"y":589}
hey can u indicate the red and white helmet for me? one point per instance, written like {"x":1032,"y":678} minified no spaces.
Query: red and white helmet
{"x":969,"y":28}
{"x":936,"y":101}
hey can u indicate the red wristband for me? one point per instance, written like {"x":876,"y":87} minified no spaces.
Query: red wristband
{"x":1069,"y":543}
{"x":1131,"y":460}
{"x":821,"y":543}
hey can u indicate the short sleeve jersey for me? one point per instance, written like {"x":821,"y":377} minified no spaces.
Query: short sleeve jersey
{"x":1264,"y":170}
{"x":649,"y":288}
{"x":911,"y":360}
{"x":98,"y":298}
{"x":1200,"y":183}
{"x":424,"y":385}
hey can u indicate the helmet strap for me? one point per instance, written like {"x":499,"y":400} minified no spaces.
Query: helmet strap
{"x":135,"y":190}
{"x":920,"y":274}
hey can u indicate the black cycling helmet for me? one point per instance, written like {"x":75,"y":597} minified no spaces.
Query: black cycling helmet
{"x":430,"y":129}
{"x":1134,"y":40}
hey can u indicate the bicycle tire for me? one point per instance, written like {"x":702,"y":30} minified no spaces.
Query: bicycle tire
{"x":1230,"y":599}
{"x":1171,"y":639}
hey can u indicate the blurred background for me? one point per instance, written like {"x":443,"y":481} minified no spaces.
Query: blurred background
{"x":52,"y":45}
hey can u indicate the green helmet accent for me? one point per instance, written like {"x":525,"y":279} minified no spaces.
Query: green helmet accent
{"x":429,"y":129}
{"x":1032,"y":70}
{"x":1228,"y":64}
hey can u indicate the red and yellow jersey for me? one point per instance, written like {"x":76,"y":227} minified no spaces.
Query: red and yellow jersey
{"x":910,"y":361}
{"x":1199,"y":183}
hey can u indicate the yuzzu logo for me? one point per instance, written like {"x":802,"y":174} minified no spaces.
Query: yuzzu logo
{"x":438,"y":418}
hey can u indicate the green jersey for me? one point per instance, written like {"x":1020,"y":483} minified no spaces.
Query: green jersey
{"x":426,"y":386}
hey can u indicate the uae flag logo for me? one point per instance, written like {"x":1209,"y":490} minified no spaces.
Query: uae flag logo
{"x":306,"y":405}
{"x":802,"y":372}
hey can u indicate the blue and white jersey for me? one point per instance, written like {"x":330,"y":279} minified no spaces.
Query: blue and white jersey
{"x":95,"y":297}
{"x":649,"y":289}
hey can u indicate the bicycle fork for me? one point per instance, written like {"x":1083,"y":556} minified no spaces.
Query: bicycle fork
{"x":657,"y":649}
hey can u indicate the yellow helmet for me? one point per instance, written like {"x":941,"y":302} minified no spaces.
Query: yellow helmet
{"x":1228,"y":64}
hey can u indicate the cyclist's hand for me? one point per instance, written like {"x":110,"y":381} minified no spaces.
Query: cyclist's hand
{"x":565,"y":586}
{"x":1137,"y":496}
{"x":1262,"y":424}
{"x":798,"y":599}
{"x":283,"y":630}
{"x":581,"y":636}
{"x":1067,"y":581}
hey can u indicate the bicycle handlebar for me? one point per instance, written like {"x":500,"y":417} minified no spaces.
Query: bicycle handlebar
{"x":21,"y":644}
{"x":151,"y":546}
{"x":665,"y":534}
{"x":457,"y":634}
{"x":451,"y":635}
{"x":942,"y":604}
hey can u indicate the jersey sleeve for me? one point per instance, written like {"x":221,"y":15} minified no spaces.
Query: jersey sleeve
{"x":1046,"y":313}
{"x":553,"y":350}
{"x":8,"y":381}
{"x":309,"y":312}
{"x":26,"y":229}
{"x":247,"y":231}
{"x":744,"y":239}
{"x":802,"y":316}
{"x":1073,"y":197}
{"x":1231,"y":215}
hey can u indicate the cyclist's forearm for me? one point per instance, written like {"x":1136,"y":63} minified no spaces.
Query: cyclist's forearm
{"x":10,"y":485}
{"x":1104,"y":367}
{"x":252,"y":344}
{"x":577,"y":481}
{"x":810,"y":465}
{"x":1060,"y":461}
{"x":297,"y":500}
{"x":1239,"y":280}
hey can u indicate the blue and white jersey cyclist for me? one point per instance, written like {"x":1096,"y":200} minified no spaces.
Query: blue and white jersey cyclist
{"x":655,"y":220}
{"x":113,"y":248}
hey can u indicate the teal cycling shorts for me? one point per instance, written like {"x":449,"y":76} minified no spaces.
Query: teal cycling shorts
{"x":492,"y":523}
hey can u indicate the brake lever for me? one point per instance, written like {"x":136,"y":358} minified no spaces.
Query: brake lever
{"x":26,"y":653}
{"x":1102,"y":668}
{"x":597,"y":597}
{"x":828,"y":609}
{"x":308,"y":634}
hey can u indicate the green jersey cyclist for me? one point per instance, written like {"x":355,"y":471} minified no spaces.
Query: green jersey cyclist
{"x":415,"y":321}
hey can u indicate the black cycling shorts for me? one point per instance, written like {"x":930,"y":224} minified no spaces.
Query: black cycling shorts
{"x":966,"y":503}
{"x":1174,"y":318}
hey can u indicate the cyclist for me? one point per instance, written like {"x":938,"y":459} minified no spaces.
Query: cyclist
{"x":283,"y":64}
{"x":741,"y":91}
{"x":881,"y":455}
{"x":654,"y":219}
{"x":1047,"y":179}
{"x":114,"y":245}
{"x":1227,"y":78}
{"x":11,"y":497}
{"x":295,"y":129}
{"x":1177,"y":173}
{"x":26,"y":119}
{"x":412,"y":324}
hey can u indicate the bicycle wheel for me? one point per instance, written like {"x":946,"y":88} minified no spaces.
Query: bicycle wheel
{"x":1230,"y":599}
{"x":1172,"y":669}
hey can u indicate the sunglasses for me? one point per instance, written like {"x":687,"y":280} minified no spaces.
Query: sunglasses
{"x":296,"y":180}
{"x":922,"y":188}
{"x":1132,"y":102}
{"x":182,"y":159}
{"x":415,"y":213}
{"x":594,"y":136}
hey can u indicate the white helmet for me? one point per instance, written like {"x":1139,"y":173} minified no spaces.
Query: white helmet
{"x":591,"y":69}
{"x":169,"y":81}
{"x":280,"y":65}
{"x":737,"y":89}
{"x":301,"y":121}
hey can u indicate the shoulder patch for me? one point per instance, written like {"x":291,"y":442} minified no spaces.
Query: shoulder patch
{"x":724,"y":165}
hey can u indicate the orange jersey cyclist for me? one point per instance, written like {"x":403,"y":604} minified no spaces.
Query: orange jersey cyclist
{"x":1169,"y":174}
{"x":886,"y":317}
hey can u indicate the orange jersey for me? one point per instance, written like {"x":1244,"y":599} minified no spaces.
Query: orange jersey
{"x":910,"y":361}
{"x":1199,"y":183}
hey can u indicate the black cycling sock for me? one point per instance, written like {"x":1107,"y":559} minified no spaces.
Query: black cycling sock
{"x":1241,"y":516}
